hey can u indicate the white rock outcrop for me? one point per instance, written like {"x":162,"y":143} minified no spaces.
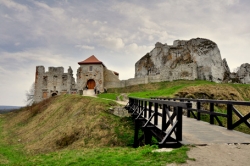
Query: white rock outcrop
{"x":244,"y":73}
{"x":192,"y":59}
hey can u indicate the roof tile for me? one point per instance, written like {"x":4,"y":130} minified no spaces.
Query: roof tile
{"x":91,"y":60}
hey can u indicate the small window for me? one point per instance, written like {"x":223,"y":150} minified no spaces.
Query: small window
{"x":90,"y":68}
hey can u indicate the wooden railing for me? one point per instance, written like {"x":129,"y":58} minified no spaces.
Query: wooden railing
{"x":213,"y":115}
{"x":165,"y":125}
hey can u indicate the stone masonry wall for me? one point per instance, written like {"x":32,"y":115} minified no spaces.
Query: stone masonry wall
{"x":110,"y":79}
{"x":84,"y":74}
{"x":53,"y":82}
{"x":185,"y":59}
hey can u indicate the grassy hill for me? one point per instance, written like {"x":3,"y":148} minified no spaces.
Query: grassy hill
{"x":74,"y":130}
{"x":187,"y":89}
{"x":77,"y":130}
{"x":197,"y":89}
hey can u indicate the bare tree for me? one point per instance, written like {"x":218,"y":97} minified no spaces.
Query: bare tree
{"x":235,"y":70}
{"x":30,"y":95}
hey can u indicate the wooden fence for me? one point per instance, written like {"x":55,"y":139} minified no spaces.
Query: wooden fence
{"x":163,"y":124}
{"x":213,"y":115}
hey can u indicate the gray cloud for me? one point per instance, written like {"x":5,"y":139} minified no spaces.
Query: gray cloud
{"x":62,"y":33}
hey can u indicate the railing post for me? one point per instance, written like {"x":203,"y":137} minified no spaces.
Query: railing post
{"x":130,"y":102}
{"x":139,"y":104}
{"x":179,"y":124}
{"x":156,"y":114}
{"x":145,"y":109}
{"x":211,"y":111}
{"x":150,"y":109}
{"x":136,"y":133}
{"x":198,"y":106}
{"x":142,"y":105}
{"x":148,"y":136}
{"x":188,"y":111}
{"x":229,"y":116}
{"x":164,"y":118}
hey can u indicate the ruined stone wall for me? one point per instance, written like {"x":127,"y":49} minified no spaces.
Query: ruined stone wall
{"x":110,"y":79}
{"x":84,"y":74}
{"x":183,"y":71}
{"x":185,"y":59}
{"x":53,"y":82}
{"x":40,"y":70}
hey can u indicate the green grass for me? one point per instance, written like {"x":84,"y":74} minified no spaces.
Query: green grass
{"x":102,"y":156}
{"x":156,"y":93}
{"x":9,"y":153}
{"x":13,"y":155}
{"x":111,"y":96}
{"x":166,"y":89}
{"x":174,"y":88}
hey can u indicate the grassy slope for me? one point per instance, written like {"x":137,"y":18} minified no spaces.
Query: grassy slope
{"x":73,"y":130}
{"x":185,"y":88}
{"x":197,"y":89}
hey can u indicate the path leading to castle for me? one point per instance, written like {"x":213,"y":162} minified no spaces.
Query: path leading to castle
{"x":210,"y":148}
{"x":219,"y":155}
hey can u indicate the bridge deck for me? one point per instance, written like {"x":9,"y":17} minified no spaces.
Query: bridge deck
{"x":199,"y":132}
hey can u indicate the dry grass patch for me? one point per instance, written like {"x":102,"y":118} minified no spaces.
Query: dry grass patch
{"x":69,"y":121}
{"x":218,"y":92}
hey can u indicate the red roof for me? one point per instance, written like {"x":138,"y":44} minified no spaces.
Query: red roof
{"x":90,"y":60}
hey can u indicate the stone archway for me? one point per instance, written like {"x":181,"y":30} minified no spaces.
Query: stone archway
{"x":54,"y":94}
{"x":91,"y":84}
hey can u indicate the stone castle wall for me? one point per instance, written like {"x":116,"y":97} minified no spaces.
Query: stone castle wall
{"x":110,"y":79}
{"x":84,"y":74}
{"x":53,"y":82}
{"x":192,"y":59}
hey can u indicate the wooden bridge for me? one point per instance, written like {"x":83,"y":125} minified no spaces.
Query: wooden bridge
{"x":163,"y":119}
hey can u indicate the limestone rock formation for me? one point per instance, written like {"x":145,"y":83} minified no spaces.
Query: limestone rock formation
{"x":244,"y":73}
{"x":193,"y":59}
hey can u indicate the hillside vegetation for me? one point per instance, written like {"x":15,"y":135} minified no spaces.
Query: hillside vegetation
{"x":70,"y":121}
{"x":74,"y":130}
{"x":77,"y":130}
{"x":197,"y":89}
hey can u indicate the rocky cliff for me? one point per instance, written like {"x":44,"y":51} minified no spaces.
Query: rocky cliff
{"x":243,"y":74}
{"x":192,"y":59}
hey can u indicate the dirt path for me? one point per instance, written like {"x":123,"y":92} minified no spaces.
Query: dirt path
{"x":219,"y":155}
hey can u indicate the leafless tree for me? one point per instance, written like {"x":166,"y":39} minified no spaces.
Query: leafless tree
{"x":30,"y":95}
{"x":235,"y":70}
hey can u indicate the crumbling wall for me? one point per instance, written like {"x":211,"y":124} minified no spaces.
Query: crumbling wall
{"x":183,"y":71}
{"x":53,"y":82}
{"x":111,"y":80}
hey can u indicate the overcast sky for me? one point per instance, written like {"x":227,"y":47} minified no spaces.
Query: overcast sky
{"x":118,"y":33}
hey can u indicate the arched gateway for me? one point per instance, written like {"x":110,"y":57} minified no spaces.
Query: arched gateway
{"x":91,"y":84}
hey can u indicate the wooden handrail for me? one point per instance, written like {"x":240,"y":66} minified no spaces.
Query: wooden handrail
{"x":213,"y":115}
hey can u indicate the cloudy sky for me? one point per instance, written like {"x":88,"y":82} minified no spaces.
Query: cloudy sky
{"x":119,"y":33}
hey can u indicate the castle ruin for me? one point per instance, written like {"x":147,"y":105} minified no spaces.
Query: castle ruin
{"x":185,"y":59}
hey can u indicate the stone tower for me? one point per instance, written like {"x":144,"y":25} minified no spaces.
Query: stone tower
{"x":53,"y":82}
